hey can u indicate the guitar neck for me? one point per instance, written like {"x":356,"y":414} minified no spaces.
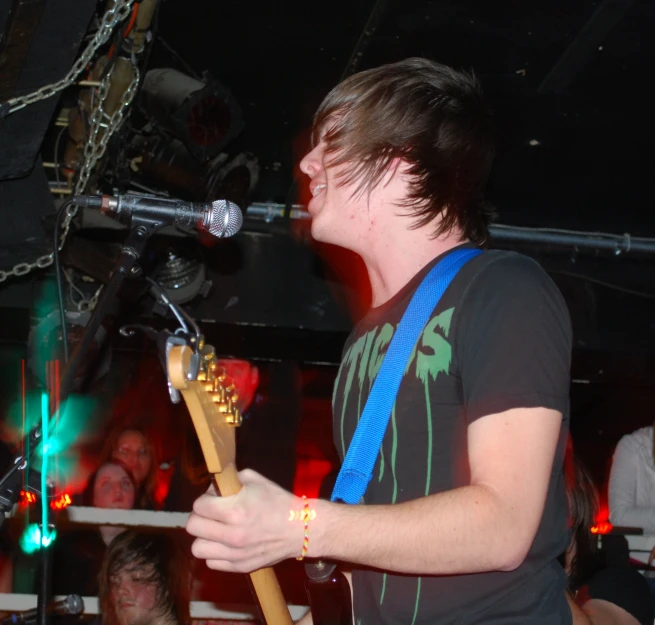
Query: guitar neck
{"x":270,"y":597}
{"x":215,"y":430}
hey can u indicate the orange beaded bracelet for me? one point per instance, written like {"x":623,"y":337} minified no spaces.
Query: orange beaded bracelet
{"x":306,"y":515}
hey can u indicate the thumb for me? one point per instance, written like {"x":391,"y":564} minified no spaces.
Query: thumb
{"x":248,"y":477}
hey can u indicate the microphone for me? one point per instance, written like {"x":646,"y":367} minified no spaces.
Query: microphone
{"x":220,"y":218}
{"x":71,"y":604}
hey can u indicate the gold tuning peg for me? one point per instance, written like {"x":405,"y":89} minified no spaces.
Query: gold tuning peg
{"x":234,"y":417}
{"x":228,"y":384}
{"x":208,"y":352}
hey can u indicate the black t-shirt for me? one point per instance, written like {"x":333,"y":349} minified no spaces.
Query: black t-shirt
{"x":500,"y":338}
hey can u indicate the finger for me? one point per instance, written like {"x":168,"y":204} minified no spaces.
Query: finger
{"x":245,"y":566}
{"x":212,"y":507}
{"x":211,"y":550}
{"x":222,"y":565}
{"x":202,"y":527}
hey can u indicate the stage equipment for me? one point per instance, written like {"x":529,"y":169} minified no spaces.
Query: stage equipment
{"x":203,"y":115}
{"x":165,"y":162}
{"x":182,"y":278}
{"x":44,"y":344}
{"x":221,"y":218}
{"x":619,"y":244}
{"x":70,"y":605}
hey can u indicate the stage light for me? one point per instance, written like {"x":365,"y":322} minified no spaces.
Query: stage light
{"x":182,"y":277}
{"x":31,"y":539}
{"x":602,"y":528}
{"x":203,"y":115}
{"x":63,"y":501}
{"x":25,"y":498}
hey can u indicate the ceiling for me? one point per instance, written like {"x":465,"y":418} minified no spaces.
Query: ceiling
{"x":568,"y":82}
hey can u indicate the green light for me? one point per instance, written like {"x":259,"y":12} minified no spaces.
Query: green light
{"x":48,"y":536}
{"x":31,"y":539}
{"x":73,"y":422}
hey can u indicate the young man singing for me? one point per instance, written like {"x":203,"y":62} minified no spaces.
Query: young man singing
{"x":466,"y":512}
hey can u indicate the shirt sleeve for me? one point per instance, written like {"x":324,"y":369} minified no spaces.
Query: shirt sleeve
{"x":514,"y":340}
{"x":622,"y":490}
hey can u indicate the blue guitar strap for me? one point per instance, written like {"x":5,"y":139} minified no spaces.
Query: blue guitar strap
{"x":357,"y":469}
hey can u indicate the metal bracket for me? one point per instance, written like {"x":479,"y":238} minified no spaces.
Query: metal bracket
{"x":187,"y":334}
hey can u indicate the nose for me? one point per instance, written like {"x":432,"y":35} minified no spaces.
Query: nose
{"x":120,"y":588}
{"x":311,"y":162}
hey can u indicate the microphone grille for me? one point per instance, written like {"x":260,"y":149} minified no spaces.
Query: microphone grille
{"x":225,"y":219}
{"x":74,"y":604}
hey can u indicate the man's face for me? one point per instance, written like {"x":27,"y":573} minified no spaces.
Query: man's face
{"x":340,"y":214}
{"x":133,"y":597}
{"x":245,"y":377}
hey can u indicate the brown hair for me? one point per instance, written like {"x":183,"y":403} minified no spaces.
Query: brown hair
{"x":431,"y":116}
{"x":134,"y":551}
{"x":145,"y":493}
{"x":583,"y":507}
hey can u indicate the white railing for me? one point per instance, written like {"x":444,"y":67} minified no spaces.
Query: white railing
{"x":138,"y":518}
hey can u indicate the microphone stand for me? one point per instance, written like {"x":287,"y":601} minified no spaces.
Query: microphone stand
{"x":44,"y":590}
{"x":126,"y":266}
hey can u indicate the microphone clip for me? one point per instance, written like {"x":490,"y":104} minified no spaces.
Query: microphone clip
{"x":187,"y":334}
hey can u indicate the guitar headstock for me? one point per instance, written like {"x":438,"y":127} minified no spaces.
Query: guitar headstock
{"x":211,"y":399}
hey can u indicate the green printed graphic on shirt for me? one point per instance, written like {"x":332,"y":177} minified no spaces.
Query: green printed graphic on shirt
{"x":362,"y":361}
{"x":430,"y":357}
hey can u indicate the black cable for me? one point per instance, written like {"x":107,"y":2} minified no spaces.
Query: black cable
{"x":60,"y":288}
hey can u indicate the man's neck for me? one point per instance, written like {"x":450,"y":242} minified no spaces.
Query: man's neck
{"x":392,"y":266}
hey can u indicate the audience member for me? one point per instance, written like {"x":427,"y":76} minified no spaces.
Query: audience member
{"x":599,"y":594}
{"x":632,"y":482}
{"x":134,"y":448}
{"x":144,"y":580}
{"x":78,"y":554}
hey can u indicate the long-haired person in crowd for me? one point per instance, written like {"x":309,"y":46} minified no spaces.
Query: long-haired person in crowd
{"x":133,"y":447}
{"x":144,"y":580}
{"x":598,"y":594}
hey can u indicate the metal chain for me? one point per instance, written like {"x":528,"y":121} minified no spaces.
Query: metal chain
{"x":102,"y":126}
{"x":119,"y":11}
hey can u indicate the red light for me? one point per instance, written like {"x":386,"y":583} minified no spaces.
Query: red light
{"x":62,"y":502}
{"x":602,"y":528}
{"x":26,"y":498}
